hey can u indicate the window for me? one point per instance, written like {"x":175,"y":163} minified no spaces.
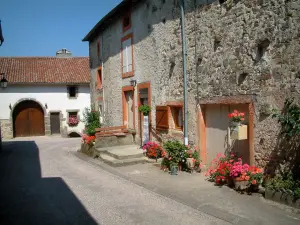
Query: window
{"x":73,"y":118}
{"x":127,"y":56}
{"x":169,"y":117}
{"x":98,"y":49}
{"x":99,"y":78}
{"x":126,"y":22}
{"x":162,"y":117}
{"x":73,"y":114}
{"x":177,"y":117}
{"x":72,"y":91}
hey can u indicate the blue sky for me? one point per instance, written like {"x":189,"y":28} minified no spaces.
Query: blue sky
{"x":41,"y":27}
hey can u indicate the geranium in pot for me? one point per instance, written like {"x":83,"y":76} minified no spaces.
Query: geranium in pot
{"x":236,"y":118}
{"x":239,"y":173}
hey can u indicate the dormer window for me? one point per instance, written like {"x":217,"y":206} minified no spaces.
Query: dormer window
{"x":126,"y":22}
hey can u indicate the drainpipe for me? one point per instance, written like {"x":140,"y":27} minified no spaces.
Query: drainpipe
{"x":184,"y":54}
{"x":102,"y":74}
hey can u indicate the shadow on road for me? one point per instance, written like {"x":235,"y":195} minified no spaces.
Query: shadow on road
{"x":27,"y":198}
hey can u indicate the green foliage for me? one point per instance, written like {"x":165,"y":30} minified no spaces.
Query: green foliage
{"x":176,"y":151}
{"x":285,"y":184}
{"x":145,"y":109}
{"x":289,"y":118}
{"x":91,"y":119}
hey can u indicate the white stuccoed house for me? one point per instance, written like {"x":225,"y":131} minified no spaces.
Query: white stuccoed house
{"x":44,"y":95}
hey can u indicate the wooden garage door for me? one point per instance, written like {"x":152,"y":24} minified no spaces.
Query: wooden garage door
{"x":28,"y":120}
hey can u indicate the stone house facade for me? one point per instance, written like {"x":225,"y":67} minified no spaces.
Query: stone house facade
{"x":43,"y":95}
{"x":242,"y":54}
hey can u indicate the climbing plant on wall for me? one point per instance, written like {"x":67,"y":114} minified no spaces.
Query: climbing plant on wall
{"x":289,"y":118}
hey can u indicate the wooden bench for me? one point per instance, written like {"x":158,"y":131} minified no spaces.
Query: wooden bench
{"x":119,"y":131}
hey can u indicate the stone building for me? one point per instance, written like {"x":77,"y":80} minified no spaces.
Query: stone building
{"x":242,"y":54}
{"x":43,"y":95}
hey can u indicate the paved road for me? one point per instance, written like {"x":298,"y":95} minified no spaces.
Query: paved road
{"x":42,"y":182}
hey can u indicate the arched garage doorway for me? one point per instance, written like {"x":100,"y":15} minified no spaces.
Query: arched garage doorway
{"x":28,"y":119}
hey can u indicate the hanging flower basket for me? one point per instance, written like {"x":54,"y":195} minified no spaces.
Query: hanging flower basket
{"x":145,"y":109}
{"x":239,"y":131}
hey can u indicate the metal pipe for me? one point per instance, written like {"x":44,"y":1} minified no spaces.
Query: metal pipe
{"x":184,"y":54}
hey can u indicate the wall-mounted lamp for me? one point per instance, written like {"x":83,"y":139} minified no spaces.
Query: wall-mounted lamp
{"x":133,"y":83}
{"x":46,"y":106}
{"x":3,"y":81}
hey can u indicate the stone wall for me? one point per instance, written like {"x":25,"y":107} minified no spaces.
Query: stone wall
{"x":6,"y":129}
{"x":249,"y":48}
{"x":246,"y":47}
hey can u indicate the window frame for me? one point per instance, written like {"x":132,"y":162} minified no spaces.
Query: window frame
{"x":175,"y":110}
{"x":69,"y":91}
{"x":131,"y":73}
{"x":99,"y":78}
{"x":127,"y":15}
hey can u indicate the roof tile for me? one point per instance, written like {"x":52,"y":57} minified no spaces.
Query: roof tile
{"x":73,"y":70}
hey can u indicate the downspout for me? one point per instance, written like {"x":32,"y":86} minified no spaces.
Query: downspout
{"x":184,"y":54}
{"x":102,"y":74}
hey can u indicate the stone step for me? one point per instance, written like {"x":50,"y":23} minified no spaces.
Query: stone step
{"x":122,"y":152}
{"x":121,"y":162}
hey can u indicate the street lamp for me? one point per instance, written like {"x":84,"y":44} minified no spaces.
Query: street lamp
{"x":133,"y":83}
{"x":3,"y":81}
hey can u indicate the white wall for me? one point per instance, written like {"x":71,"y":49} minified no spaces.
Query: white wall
{"x":56,"y":98}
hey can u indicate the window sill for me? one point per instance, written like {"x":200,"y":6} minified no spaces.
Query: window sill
{"x":126,"y":28}
{"x":129,"y":74}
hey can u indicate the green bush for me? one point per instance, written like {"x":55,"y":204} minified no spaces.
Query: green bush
{"x":285,"y":184}
{"x":91,"y":121}
{"x":176,"y":151}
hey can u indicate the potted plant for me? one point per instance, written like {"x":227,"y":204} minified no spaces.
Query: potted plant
{"x":238,"y":130}
{"x":236,"y":118}
{"x":175,"y":151}
{"x":239,"y":174}
{"x":145,"y":109}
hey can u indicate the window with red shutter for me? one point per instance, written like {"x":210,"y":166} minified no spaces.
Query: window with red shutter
{"x":162,"y":117}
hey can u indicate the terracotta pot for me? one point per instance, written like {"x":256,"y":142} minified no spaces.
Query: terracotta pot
{"x":240,"y":184}
{"x":190,"y":163}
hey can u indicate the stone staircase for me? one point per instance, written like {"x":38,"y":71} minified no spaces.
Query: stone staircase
{"x":124,"y":155}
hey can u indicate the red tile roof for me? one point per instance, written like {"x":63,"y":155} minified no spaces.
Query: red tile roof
{"x":52,"y":70}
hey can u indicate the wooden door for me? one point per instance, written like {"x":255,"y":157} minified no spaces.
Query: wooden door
{"x":28,"y":119}
{"x":129,"y":108}
{"x":216,"y":129}
{"x":55,"y":123}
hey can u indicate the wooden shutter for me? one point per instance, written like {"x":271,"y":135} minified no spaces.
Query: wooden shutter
{"x":127,"y":56}
{"x":162,"y":117}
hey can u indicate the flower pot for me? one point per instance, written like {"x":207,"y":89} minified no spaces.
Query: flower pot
{"x":235,"y":124}
{"x":190,"y":163}
{"x":240,"y":184}
{"x":174,"y":170}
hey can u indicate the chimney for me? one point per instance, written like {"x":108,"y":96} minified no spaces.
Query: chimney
{"x":63,"y":53}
